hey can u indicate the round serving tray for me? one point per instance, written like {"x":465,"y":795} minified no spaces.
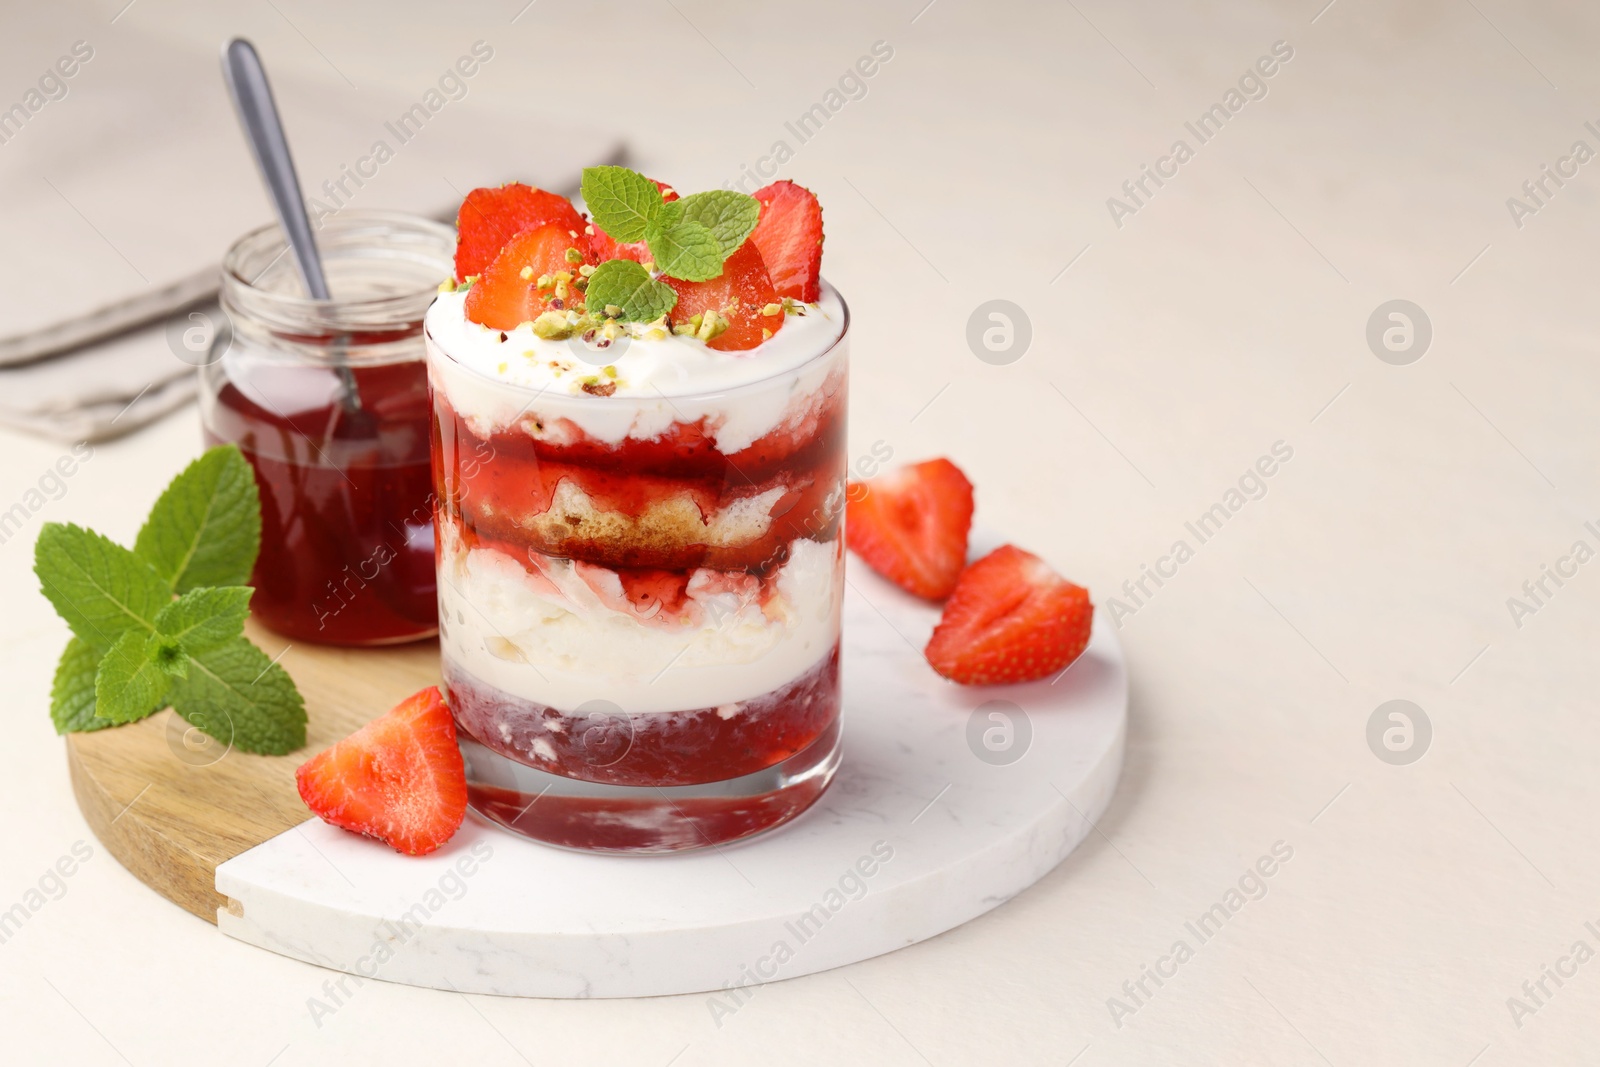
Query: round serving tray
{"x":949,"y":802}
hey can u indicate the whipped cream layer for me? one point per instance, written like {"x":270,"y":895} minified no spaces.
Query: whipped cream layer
{"x":495,"y":384}
{"x":563,"y":637}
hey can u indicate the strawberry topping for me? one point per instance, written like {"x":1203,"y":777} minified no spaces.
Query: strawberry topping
{"x":490,"y":218}
{"x":400,"y":778}
{"x":1010,"y":619}
{"x":910,"y":525}
{"x":789,"y":236}
{"x":508,"y":294}
{"x":742,"y":294}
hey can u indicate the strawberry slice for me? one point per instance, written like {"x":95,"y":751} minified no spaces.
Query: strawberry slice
{"x":741,"y":294}
{"x":490,"y":218}
{"x":399,"y":778}
{"x":1010,"y":619}
{"x":911,"y":524}
{"x":602,"y":247}
{"x":508,"y":295}
{"x":790,"y":238}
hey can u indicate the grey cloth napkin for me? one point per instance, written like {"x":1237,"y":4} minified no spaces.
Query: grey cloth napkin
{"x":101,"y":390}
{"x":124,"y":186}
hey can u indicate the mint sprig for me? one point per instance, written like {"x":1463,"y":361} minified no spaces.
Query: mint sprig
{"x":205,"y":528}
{"x":687,"y":250}
{"x":100,"y":588}
{"x":237,"y":694}
{"x":628,"y":287}
{"x":624,"y":202}
{"x":689,"y":238}
{"x":731,"y":217}
{"x":72,"y":695}
{"x":164,"y":623}
{"x":128,"y":685}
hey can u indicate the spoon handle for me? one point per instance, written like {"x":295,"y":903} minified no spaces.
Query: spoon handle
{"x":252,"y":96}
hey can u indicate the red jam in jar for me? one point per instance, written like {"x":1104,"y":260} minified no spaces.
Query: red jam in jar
{"x":329,"y":402}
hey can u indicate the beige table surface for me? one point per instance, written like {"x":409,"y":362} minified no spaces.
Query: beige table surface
{"x":1227,"y":313}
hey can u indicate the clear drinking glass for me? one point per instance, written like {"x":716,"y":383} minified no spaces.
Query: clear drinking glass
{"x":639,"y":599}
{"x":328,"y":399}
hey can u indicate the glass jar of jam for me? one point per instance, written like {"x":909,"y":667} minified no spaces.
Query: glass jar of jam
{"x":328,"y":399}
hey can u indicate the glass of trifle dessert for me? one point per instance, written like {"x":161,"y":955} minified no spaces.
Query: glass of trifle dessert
{"x":638,"y":452}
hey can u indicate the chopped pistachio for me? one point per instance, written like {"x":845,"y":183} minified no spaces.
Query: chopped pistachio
{"x":712,"y":326}
{"x":683,"y":329}
{"x":447,"y":286}
{"x":544,"y":282}
{"x":772,"y":309}
{"x":657,"y":334}
{"x":585,"y":270}
{"x":574,"y":256}
{"x":552,"y":326}
{"x":765,"y":333}
{"x":525,"y":273}
{"x":612,"y":311}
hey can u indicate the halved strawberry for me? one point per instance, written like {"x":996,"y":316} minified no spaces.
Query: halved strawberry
{"x":399,"y":778}
{"x":490,"y":218}
{"x":790,"y":238}
{"x":602,"y":247}
{"x":508,"y":294}
{"x":1010,"y":619}
{"x":741,"y":293}
{"x":911,"y":524}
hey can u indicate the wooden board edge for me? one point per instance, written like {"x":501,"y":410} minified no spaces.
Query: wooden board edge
{"x":149,"y":855}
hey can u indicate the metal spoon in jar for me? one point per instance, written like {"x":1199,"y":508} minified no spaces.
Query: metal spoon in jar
{"x":258,"y":114}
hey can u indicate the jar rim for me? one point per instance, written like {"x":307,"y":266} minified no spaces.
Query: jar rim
{"x":424,"y":241}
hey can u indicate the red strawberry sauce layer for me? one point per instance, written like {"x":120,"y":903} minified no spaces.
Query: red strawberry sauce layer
{"x":500,"y":487}
{"x":645,"y":824}
{"x":653,"y":748}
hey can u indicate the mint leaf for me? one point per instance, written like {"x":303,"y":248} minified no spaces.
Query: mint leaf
{"x":202,"y":619}
{"x":626,"y":285}
{"x":72,"y":692}
{"x":236,"y":694}
{"x":100,"y":588}
{"x":687,"y":250}
{"x":730,"y":216}
{"x":128,"y":686}
{"x":623,"y":202}
{"x":206,"y":527}
{"x":167,"y":654}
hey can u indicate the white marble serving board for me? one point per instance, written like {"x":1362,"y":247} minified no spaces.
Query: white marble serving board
{"x":917,"y":835}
